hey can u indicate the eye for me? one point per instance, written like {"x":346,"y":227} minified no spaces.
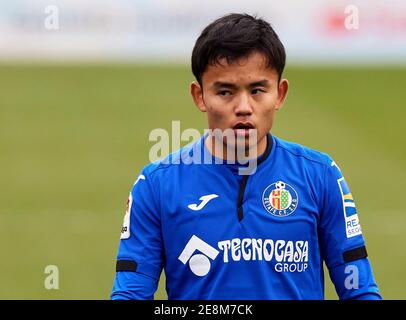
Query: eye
{"x":257,"y":91}
{"x":224,"y":93}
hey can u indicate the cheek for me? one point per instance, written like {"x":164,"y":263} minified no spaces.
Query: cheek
{"x":272,"y":100}
{"x":216,"y":117}
{"x":216,"y":108}
{"x":265,"y":113}
{"x":266,"y":107}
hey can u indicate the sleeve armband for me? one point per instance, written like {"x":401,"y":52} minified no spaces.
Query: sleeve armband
{"x":355,"y":254}
{"x":126,"y":265}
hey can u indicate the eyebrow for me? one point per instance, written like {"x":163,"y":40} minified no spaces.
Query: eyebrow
{"x":261,"y":83}
{"x":228,"y":85}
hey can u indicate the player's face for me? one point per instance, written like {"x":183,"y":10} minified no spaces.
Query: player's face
{"x":243,"y":96}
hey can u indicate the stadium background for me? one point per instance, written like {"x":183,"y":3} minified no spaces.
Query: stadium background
{"x":78,"y":102}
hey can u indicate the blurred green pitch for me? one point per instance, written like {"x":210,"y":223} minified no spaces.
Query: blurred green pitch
{"x":73,"y":139}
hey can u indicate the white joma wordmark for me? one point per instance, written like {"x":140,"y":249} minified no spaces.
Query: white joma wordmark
{"x":204,"y":199}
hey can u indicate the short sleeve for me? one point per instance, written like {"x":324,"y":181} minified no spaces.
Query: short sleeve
{"x":140,"y":250}
{"x":341,"y":240}
{"x":339,"y":227}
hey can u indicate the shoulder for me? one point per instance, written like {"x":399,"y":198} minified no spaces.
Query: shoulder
{"x":174,"y":161}
{"x":306,"y":154}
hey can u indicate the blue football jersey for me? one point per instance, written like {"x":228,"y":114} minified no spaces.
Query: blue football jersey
{"x":222,"y":235}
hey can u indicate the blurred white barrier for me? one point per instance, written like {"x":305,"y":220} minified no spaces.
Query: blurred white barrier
{"x":357,"y":31}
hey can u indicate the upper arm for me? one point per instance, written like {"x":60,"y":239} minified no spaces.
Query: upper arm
{"x":341,"y":240}
{"x":141,"y":250}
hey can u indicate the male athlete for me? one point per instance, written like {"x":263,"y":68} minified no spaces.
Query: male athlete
{"x":224,"y":233}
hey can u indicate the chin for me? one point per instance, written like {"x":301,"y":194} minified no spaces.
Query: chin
{"x":244,"y":142}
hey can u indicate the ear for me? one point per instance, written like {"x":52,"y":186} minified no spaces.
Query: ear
{"x":197,"y":93}
{"x":282,"y":93}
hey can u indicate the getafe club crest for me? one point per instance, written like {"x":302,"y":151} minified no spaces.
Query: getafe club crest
{"x":280,"y":199}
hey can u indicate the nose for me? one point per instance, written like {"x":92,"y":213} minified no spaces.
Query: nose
{"x":243,"y":107}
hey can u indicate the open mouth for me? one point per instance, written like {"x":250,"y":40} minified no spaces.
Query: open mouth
{"x":243,"y":128}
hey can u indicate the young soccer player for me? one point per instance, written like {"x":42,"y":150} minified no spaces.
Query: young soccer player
{"x":221,"y":232}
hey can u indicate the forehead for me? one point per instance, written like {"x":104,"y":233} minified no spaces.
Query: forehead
{"x":242,"y":71}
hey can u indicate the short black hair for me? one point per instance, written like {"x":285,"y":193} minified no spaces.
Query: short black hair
{"x":235,"y":36}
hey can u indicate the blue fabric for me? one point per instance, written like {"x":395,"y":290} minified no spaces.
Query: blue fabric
{"x":133,"y":286}
{"x":298,"y":212}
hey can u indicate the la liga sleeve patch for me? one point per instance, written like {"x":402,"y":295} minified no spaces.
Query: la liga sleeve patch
{"x":125,"y":230}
